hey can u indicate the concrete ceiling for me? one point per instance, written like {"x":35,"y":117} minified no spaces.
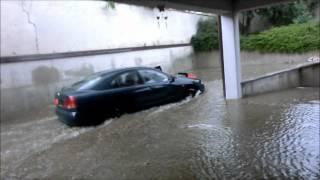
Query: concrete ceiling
{"x":207,"y":6}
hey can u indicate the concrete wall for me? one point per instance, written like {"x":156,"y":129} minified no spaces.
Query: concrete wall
{"x":207,"y":60}
{"x":257,"y":23}
{"x":271,"y":82}
{"x":306,"y":75}
{"x":212,"y":59}
{"x":40,"y":27}
{"x":256,"y":58}
{"x":310,"y":76}
{"x":316,"y":13}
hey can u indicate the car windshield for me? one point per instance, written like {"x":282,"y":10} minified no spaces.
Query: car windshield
{"x":87,"y":83}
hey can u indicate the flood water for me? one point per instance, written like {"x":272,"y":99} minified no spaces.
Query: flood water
{"x":270,"y":136}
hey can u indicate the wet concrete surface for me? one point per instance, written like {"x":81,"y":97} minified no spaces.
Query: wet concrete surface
{"x":270,"y":136}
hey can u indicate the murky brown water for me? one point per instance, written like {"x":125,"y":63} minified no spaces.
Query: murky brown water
{"x":271,"y":136}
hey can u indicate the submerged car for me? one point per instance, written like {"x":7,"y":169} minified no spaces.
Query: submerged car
{"x":111,"y":93}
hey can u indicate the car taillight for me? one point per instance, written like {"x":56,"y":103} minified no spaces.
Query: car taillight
{"x":191,"y":76}
{"x":55,"y":101}
{"x":70,"y":103}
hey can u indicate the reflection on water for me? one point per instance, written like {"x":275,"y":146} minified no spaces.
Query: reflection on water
{"x":263,"y":142}
{"x":271,"y":136}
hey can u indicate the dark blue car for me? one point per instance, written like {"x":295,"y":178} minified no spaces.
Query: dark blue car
{"x":112,"y":93}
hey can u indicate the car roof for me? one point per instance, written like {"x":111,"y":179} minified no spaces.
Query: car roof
{"x":116,"y":71}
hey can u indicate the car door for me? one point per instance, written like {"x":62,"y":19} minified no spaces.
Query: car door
{"x":130,"y":91}
{"x":161,"y":89}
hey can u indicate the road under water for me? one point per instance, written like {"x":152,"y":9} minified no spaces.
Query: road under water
{"x":270,"y":136}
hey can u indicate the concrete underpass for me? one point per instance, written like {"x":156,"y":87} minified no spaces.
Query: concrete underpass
{"x":273,"y":134}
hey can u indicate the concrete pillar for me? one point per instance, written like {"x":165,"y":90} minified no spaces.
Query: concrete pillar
{"x":229,"y":34}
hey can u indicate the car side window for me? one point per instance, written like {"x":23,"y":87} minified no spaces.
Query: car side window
{"x":126,"y":79}
{"x":152,"y":76}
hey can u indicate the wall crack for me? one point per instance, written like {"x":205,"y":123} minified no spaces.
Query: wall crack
{"x":24,"y":9}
